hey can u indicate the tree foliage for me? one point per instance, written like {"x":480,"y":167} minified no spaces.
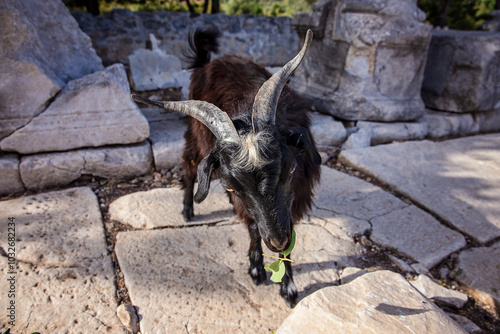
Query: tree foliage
{"x":230,"y":7}
{"x":457,"y":14}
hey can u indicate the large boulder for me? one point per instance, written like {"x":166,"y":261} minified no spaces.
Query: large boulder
{"x":41,"y":50}
{"x":463,"y":71}
{"x":370,"y":63}
{"x":95,"y":110}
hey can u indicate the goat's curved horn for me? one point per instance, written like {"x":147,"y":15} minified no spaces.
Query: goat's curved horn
{"x":266,"y":100}
{"x":214,"y":119}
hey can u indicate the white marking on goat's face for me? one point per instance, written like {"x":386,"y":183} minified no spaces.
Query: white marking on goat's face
{"x":251,"y":154}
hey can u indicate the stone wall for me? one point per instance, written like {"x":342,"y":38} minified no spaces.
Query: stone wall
{"x":115,"y":36}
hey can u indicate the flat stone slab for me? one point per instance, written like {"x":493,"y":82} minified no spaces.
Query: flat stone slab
{"x":417,"y":234}
{"x":350,"y":207}
{"x":346,"y":195}
{"x":458,"y":180}
{"x":65,"y":279}
{"x":163,"y":208}
{"x":377,"y":302}
{"x":479,"y":269}
{"x":195,"y":279}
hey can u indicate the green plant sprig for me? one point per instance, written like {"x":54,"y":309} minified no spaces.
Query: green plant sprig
{"x":278,"y":267}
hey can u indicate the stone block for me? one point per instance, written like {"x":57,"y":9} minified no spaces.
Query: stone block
{"x":358,"y":138}
{"x":446,"y":124}
{"x":370,"y":64}
{"x":376,"y":302}
{"x":153,"y":69}
{"x":349,"y":196}
{"x":416,"y":234}
{"x":463,"y":71}
{"x":457,"y":179}
{"x":10,"y":179}
{"x":40,"y":171}
{"x":489,"y":121}
{"x":199,"y":273}
{"x":163,"y":208}
{"x":167,"y":141}
{"x":65,"y":279}
{"x":383,"y":133}
{"x":326,"y":131}
{"x":40,"y":55}
{"x":435,"y":291}
{"x":479,"y":269}
{"x":95,"y":110}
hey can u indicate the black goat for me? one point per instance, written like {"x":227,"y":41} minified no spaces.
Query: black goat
{"x":261,"y":147}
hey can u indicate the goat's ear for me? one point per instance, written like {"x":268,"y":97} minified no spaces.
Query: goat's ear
{"x":299,"y":137}
{"x":205,"y":169}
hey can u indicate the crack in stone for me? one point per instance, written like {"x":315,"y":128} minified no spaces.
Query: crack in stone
{"x":102,"y":322}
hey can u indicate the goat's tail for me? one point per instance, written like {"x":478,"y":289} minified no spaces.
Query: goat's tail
{"x":201,"y":43}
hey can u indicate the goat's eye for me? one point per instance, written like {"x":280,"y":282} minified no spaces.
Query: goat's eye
{"x":229,"y":189}
{"x":293,"y":169}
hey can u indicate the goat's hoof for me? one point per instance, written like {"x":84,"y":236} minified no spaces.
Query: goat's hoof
{"x":289,"y":293}
{"x":188,"y":214}
{"x":258,"y":275}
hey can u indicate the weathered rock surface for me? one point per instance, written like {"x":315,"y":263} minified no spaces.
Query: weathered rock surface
{"x":47,"y":170}
{"x":200,"y":273}
{"x":457,"y":77}
{"x":417,"y":234}
{"x":444,"y":124}
{"x":95,"y":110}
{"x":493,"y":23}
{"x":163,"y":208}
{"x":479,"y":269}
{"x":377,"y":302}
{"x":128,"y":316}
{"x":39,"y":56}
{"x":153,"y":69}
{"x":358,"y":138}
{"x":348,"y":70}
{"x":346,"y":195}
{"x":353,"y":207}
{"x":383,"y":133}
{"x":65,"y":279}
{"x":167,"y":140}
{"x":116,"y":35}
{"x":434,"y":291}
{"x":458,"y":179}
{"x":10,"y":179}
{"x":466,"y":324}
{"x":326,"y":131}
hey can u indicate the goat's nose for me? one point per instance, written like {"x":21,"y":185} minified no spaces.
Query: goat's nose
{"x":279,"y":244}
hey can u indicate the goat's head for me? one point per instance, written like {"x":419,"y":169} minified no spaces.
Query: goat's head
{"x":255,"y":156}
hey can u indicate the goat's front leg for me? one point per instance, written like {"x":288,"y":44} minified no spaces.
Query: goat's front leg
{"x":288,"y":289}
{"x":188,"y":184}
{"x":256,"y":270}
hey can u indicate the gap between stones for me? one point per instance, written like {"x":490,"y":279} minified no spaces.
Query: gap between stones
{"x":366,"y":176}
